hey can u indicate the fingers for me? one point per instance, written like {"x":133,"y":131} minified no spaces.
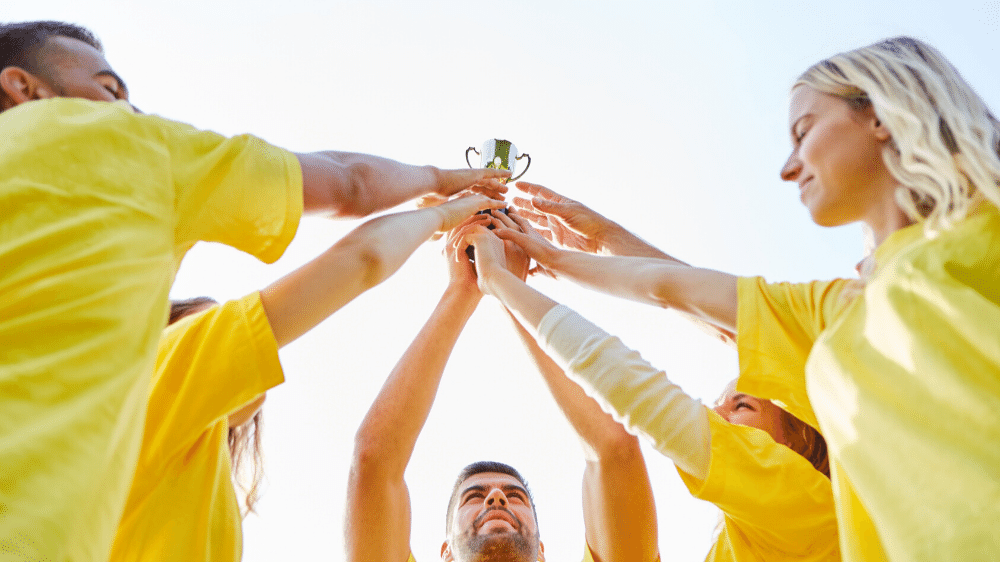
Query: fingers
{"x":537,"y":218}
{"x":504,"y":219}
{"x":494,"y":173}
{"x":536,"y":190}
{"x":488,"y":191}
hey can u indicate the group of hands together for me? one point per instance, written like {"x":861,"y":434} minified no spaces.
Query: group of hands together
{"x":507,"y":237}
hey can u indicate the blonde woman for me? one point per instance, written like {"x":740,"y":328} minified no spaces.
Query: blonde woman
{"x":901,"y":371}
{"x":212,"y":371}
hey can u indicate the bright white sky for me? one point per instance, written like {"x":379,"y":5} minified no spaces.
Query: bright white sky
{"x":668,"y":117}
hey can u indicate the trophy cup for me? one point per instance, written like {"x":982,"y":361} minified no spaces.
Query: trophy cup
{"x":499,"y":154}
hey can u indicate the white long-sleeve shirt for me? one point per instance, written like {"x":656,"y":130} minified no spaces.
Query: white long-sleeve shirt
{"x":635,"y":393}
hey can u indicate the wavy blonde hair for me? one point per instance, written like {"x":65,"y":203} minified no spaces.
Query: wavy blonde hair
{"x":945,"y":146}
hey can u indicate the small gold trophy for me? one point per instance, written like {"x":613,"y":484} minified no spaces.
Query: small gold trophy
{"x":500,"y":154}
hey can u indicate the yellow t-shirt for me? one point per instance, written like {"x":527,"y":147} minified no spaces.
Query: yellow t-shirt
{"x":182,"y":505}
{"x":99,"y":205}
{"x":775,"y":504}
{"x":905,"y":382}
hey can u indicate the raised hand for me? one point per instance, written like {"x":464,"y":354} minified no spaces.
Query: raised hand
{"x":461,"y":271}
{"x":458,"y":209}
{"x":533,"y":243}
{"x":517,"y":260}
{"x":566,"y":222}
{"x":485,"y":181}
{"x":491,"y":258}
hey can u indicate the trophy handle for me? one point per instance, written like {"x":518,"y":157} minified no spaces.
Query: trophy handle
{"x":473,"y":149}
{"x":528,"y":165}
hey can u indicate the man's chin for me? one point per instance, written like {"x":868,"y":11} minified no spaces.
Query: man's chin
{"x":501,"y":544}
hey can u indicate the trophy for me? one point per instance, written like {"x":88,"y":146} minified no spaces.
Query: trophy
{"x":499,"y":154}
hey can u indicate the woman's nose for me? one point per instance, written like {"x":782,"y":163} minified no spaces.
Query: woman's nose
{"x":792,"y":168}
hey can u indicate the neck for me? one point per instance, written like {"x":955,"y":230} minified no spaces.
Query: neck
{"x":887,"y":217}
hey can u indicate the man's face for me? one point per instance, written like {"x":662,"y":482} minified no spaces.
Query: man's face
{"x":71,"y":68}
{"x":492,"y":520}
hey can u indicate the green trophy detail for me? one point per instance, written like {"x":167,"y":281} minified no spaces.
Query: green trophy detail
{"x":496,"y":155}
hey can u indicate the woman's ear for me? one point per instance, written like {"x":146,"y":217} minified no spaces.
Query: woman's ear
{"x":17,"y":86}
{"x":879,"y":129}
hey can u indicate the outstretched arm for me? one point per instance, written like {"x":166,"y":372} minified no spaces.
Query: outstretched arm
{"x":636,"y":394}
{"x":706,"y":294}
{"x":377,"y":524}
{"x":618,"y":510}
{"x":573,"y":225}
{"x":347,"y":184}
{"x":359,"y":261}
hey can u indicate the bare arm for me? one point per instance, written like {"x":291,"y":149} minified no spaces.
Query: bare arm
{"x":635,"y":393}
{"x":573,"y":225}
{"x":618,"y":508}
{"x":364,"y":258}
{"x":377,"y":523}
{"x":346,"y":184}
{"x":706,"y":294}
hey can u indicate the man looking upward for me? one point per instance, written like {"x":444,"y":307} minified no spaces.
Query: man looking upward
{"x":491,"y":515}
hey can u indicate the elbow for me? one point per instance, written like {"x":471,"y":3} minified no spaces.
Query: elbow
{"x":363,"y":249}
{"x":371,"y":459}
{"x":618,"y":446}
{"x":358,"y":198}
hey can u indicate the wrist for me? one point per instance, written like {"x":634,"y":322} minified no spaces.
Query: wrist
{"x":437,"y":177}
{"x":463,"y":290}
{"x":613,"y":239}
{"x":495,"y":280}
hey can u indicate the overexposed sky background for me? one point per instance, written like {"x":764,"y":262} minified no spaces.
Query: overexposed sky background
{"x":667,"y":117}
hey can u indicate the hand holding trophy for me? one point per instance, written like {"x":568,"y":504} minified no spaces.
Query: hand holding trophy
{"x":499,"y":154}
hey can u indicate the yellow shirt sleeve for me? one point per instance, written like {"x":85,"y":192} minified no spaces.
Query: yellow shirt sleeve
{"x":182,"y":503}
{"x":208,"y":365}
{"x":238,"y":191}
{"x":777,"y":325}
{"x":776,"y":505}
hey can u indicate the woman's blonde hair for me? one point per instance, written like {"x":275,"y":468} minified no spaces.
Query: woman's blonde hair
{"x":945,"y":146}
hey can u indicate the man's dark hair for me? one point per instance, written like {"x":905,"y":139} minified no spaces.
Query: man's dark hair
{"x":20,"y":42}
{"x":485,"y":466}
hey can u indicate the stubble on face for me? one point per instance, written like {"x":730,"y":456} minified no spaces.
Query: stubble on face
{"x":508,"y":546}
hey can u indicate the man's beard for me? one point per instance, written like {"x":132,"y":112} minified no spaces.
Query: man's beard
{"x":510,"y":546}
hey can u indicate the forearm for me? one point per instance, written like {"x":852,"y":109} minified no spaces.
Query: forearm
{"x":706,"y":294}
{"x":385,"y":439}
{"x":600,"y":434}
{"x":616,"y":240}
{"x":347,"y":184}
{"x":635,"y":393}
{"x":619,"y":511}
{"x":364,"y":258}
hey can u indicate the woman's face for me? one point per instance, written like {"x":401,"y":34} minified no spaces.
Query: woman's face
{"x":743,"y":409}
{"x":836,"y":159}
